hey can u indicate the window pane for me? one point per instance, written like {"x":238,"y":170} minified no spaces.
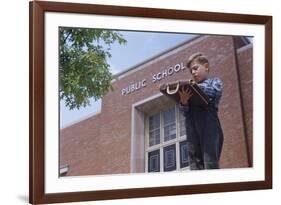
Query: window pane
{"x":170,"y":132}
{"x":169,"y":124}
{"x":154,"y":161}
{"x":170,"y":158}
{"x":169,"y":116}
{"x":182,"y":124}
{"x":154,"y":121}
{"x":183,"y":154}
{"x":154,"y":137}
{"x":154,"y":129}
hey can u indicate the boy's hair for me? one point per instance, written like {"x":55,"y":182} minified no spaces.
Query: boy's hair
{"x":200,"y":57}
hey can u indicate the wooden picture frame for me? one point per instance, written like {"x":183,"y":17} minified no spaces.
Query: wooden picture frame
{"x":37,"y":11}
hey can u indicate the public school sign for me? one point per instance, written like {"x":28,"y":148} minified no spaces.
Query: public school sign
{"x":134,"y":86}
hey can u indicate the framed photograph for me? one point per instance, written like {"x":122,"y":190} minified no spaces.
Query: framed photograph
{"x":100,"y":128}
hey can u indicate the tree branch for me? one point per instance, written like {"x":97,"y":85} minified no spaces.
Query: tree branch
{"x":66,"y":37}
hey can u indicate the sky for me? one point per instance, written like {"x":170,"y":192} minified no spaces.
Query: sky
{"x":140,"y":46}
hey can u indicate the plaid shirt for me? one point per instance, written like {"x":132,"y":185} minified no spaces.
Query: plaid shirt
{"x":213,"y":87}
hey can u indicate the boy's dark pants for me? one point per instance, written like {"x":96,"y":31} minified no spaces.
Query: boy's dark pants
{"x":204,"y":138}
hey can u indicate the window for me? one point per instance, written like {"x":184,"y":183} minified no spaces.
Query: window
{"x":154,"y":161}
{"x":170,"y":158}
{"x":169,"y":124}
{"x":165,"y":145}
{"x":154,"y":129}
{"x":182,"y":125}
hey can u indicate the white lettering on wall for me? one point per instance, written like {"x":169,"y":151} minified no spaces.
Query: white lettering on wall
{"x":167,"y":72}
{"x":134,"y":86}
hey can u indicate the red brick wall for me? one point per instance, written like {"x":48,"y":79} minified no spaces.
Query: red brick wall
{"x":102,"y":144}
{"x":79,"y":147}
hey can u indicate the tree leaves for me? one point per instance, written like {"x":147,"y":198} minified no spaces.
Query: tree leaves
{"x":83,"y":68}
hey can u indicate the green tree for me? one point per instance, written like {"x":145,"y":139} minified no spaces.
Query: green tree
{"x":83,"y":68}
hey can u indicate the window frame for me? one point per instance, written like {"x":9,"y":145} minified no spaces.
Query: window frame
{"x":177,"y":140}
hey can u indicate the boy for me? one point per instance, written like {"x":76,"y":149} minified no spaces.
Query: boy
{"x":203,"y":129}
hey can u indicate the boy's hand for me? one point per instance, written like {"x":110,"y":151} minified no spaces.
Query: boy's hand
{"x":185,"y":95}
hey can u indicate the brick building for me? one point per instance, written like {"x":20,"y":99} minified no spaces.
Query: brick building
{"x":140,"y":130}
